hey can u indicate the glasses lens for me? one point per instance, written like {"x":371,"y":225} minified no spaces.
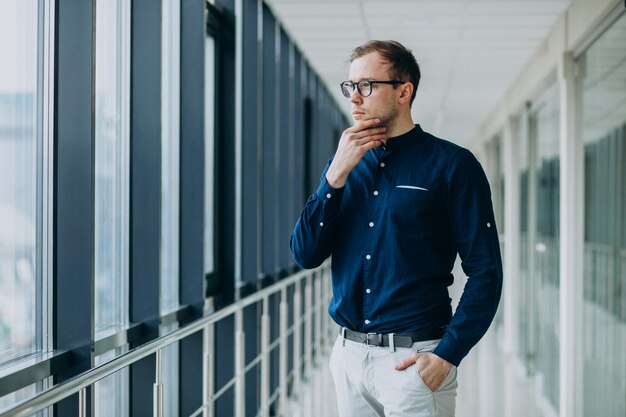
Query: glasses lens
{"x":365,"y":88}
{"x":347,"y":88}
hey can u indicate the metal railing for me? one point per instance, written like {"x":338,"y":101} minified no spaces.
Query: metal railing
{"x":309,"y":322}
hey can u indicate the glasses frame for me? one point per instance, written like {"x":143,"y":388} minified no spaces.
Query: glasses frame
{"x":358,"y":86}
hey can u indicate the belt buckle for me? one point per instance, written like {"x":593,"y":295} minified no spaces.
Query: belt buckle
{"x":379,"y":341}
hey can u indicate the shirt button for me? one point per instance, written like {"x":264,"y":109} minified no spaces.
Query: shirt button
{"x":488,"y":224}
{"x":367,"y":322}
{"x":328,"y":195}
{"x":382,"y":164}
{"x":371,"y":224}
{"x":368,"y":257}
{"x":375,"y":192}
{"x":321,"y":223}
{"x":368,"y":291}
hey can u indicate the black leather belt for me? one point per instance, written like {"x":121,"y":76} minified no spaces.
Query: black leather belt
{"x":399,"y":339}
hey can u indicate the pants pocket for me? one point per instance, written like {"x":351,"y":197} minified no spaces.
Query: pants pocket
{"x":447,"y":381}
{"x":418,"y":378}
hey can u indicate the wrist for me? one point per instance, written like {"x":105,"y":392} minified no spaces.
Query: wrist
{"x":447,"y":365}
{"x":336,"y":179}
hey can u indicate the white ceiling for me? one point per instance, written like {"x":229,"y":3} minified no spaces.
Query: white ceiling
{"x":469,"y":52}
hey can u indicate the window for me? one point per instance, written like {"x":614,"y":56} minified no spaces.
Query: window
{"x":170,"y":155}
{"x":25,"y":182}
{"x":526,"y":305}
{"x":112,"y":103}
{"x":112,"y":165}
{"x":209,"y":155}
{"x":170,"y":192}
{"x":545,"y":238}
{"x":603,"y":77}
{"x":25,"y":192}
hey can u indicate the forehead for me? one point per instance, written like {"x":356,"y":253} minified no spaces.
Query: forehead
{"x":371,"y":66}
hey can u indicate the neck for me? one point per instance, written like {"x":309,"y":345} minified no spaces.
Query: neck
{"x":399,"y":127}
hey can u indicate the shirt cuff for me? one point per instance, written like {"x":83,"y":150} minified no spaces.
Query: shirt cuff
{"x":328,"y":195}
{"x":447,"y":351}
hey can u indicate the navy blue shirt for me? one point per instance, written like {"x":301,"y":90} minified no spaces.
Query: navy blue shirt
{"x":394,"y":231}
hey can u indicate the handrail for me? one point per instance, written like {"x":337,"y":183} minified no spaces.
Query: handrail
{"x":87,"y":378}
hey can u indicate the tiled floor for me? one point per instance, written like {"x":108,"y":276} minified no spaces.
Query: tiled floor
{"x":489,"y":386}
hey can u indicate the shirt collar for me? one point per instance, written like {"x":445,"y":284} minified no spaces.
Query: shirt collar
{"x":398,"y":143}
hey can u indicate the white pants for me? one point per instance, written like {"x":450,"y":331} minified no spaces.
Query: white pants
{"x":367,"y":384}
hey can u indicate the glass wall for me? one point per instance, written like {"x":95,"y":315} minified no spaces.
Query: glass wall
{"x":20,"y":180}
{"x":111,"y":166}
{"x":545,"y":241}
{"x":170,"y":192}
{"x":112,"y":102}
{"x":603,"y":82}
{"x":170,"y":155}
{"x":25,"y":191}
{"x":527,"y":307}
{"x":209,"y":155}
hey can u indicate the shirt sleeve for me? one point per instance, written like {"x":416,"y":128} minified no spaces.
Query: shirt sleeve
{"x":476,"y":238}
{"x":314,"y":234}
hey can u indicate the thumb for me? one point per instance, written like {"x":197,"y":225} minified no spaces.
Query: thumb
{"x":407,"y":362}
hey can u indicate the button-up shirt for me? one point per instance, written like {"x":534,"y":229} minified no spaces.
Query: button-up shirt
{"x":394,"y":231}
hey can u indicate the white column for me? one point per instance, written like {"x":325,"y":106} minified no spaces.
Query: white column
{"x":511,"y":228}
{"x":571,"y":243}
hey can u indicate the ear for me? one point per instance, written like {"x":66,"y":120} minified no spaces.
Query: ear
{"x":406,"y":91}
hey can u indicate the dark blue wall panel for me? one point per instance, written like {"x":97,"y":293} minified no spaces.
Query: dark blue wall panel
{"x":269,"y":149}
{"x":250,"y":137}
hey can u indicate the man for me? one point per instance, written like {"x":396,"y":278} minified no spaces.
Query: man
{"x":394,"y":207}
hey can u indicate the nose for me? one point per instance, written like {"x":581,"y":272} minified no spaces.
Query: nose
{"x":356,"y":97}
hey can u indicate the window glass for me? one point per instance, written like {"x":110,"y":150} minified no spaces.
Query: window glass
{"x":170,"y":193}
{"x":112,"y":102}
{"x":526,"y":305}
{"x":545,"y":241}
{"x":21,"y":174}
{"x":602,"y":70}
{"x":170,"y":155}
{"x":111,"y":165}
{"x":209,"y":155}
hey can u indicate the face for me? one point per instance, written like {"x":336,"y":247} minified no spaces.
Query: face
{"x":383,"y":102}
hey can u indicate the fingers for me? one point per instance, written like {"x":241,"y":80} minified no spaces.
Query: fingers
{"x":366,"y":139}
{"x":374,"y":135}
{"x":365,"y":128}
{"x":407,"y":362}
{"x":365,"y":136}
{"x":364,"y":124}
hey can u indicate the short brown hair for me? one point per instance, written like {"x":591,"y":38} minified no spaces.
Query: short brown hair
{"x":403,"y":64}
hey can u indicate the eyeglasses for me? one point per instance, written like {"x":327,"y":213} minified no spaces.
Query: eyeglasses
{"x":364,"y":87}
